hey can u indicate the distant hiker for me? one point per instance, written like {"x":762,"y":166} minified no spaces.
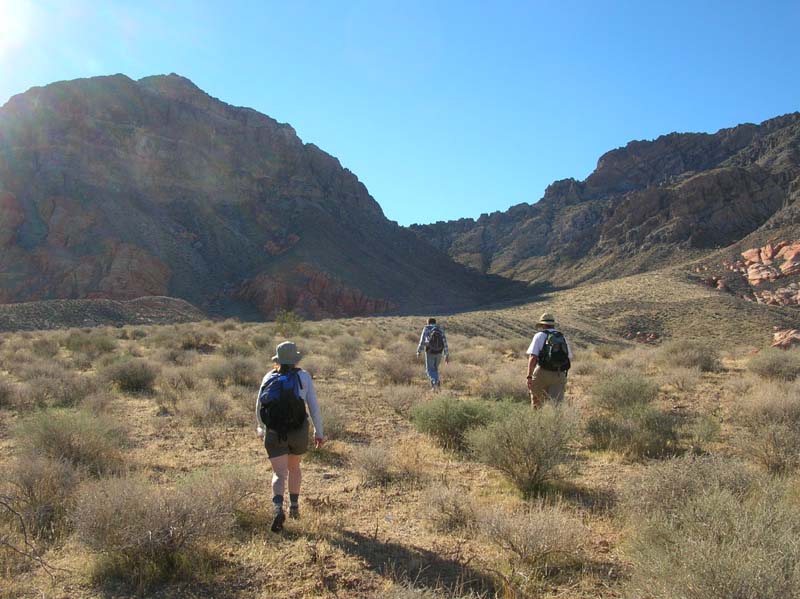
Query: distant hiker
{"x":548,"y":362}
{"x":434,"y":342}
{"x":282,"y":422}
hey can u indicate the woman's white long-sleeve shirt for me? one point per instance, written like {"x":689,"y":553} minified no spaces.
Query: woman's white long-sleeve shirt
{"x":307,"y":392}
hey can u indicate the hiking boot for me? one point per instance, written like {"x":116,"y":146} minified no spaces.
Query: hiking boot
{"x":294,"y":512}
{"x":278,"y":519}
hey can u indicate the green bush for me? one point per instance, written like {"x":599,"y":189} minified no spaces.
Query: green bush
{"x":622,"y":389}
{"x":689,"y":353}
{"x":132,"y":375}
{"x":776,"y":364}
{"x":637,"y":431}
{"x":85,"y":440}
{"x":448,"y":419}
{"x":530,"y":446}
{"x":288,"y":323}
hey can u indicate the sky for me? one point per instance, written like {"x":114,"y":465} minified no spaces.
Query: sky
{"x":443,"y":109}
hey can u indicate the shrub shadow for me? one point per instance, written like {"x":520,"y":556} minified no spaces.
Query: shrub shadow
{"x":421,"y":567}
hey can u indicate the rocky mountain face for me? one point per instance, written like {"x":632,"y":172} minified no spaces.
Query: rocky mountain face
{"x":645,"y":206}
{"x":114,"y":188}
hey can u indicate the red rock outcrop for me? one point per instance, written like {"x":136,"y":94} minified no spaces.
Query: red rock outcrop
{"x":786,"y":338}
{"x":310,"y":292}
{"x":11,"y":217}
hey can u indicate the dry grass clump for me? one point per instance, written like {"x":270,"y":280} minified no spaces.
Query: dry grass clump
{"x":335,"y":417}
{"x":373,"y":464}
{"x":776,"y":364}
{"x":448,"y":509}
{"x":402,"y":398}
{"x":175,"y":384}
{"x":7,"y":394}
{"x":530,"y":446}
{"x":682,"y":378}
{"x":87,"y":441}
{"x":691,"y":354}
{"x":131,"y":375}
{"x":236,"y":348}
{"x":621,"y":389}
{"x":720,"y":543}
{"x":448,"y":419}
{"x":41,"y":493}
{"x":345,"y":347}
{"x":545,"y":541}
{"x":205,"y":405}
{"x":771,"y":417}
{"x":145,"y":534}
{"x":45,"y":347}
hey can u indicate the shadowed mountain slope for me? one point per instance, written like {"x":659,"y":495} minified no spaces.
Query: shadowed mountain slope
{"x":113,"y":188}
{"x":647,"y":205}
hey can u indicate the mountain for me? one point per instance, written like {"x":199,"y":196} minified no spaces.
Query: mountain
{"x":648,"y":205}
{"x":116,"y":189}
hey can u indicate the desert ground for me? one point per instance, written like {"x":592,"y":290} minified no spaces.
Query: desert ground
{"x":130,"y":463}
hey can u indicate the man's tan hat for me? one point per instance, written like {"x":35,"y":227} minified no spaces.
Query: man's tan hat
{"x":547,"y":319}
{"x":286,"y":353}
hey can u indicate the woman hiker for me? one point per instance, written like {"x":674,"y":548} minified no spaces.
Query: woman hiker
{"x":282,"y":422}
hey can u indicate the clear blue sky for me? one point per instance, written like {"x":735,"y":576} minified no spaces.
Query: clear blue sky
{"x":444,"y":109}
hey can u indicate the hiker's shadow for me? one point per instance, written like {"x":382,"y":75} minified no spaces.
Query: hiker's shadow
{"x":421,"y":567}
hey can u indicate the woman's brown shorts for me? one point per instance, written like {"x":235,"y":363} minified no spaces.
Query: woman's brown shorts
{"x":295,"y":443}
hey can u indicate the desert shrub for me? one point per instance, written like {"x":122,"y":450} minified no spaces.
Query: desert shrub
{"x":174,"y":385}
{"x":393,"y":371}
{"x":88,"y":343}
{"x":700,"y":431}
{"x":45,"y":347}
{"x":373,"y":464}
{"x":146,"y":534}
{"x":7,"y":394}
{"x":771,"y":417}
{"x":334,"y":420}
{"x":530,"y":446}
{"x":42,"y":492}
{"x":98,"y":402}
{"x":233,"y":371}
{"x":319,"y":366}
{"x":202,"y":340}
{"x":402,"y":398}
{"x":776,"y":364}
{"x":683,"y":378}
{"x":57,"y":389}
{"x":448,"y":419}
{"x":623,"y":389}
{"x":448,"y":509}
{"x":689,"y":353}
{"x":504,"y":380}
{"x":262,"y":340}
{"x":540,"y":542}
{"x":176,"y":356}
{"x":205,"y":405}
{"x":665,"y":487}
{"x":85,"y":440}
{"x":718,"y":544}
{"x":288,"y":323}
{"x":236,"y":349}
{"x":131,"y":375}
{"x":638,"y":431}
{"x":345,"y":347}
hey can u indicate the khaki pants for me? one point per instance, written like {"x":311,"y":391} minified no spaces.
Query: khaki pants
{"x":547,"y":384}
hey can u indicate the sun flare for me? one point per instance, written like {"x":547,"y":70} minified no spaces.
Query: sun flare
{"x":16,"y":22}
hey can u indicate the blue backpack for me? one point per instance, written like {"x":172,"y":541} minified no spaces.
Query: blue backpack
{"x":280,"y":406}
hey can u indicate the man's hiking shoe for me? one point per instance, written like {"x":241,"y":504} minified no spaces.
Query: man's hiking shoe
{"x":278,"y":520}
{"x":294,"y":512}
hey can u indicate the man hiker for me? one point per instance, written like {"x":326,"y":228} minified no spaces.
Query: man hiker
{"x":549,"y":359}
{"x":434,"y":342}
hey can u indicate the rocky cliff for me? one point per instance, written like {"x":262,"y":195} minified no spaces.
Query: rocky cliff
{"x":114,"y":188}
{"x":645,"y":206}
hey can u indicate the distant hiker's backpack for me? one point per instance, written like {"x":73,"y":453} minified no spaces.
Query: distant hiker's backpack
{"x":555,"y":353}
{"x":436,"y":341}
{"x":279,"y":403}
